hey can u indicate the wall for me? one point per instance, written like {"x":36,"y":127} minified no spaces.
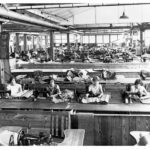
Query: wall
{"x":111,"y":129}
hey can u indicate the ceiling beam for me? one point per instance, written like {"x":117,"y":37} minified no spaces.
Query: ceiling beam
{"x":7,"y":14}
{"x":73,"y":5}
{"x":25,"y":31}
{"x":53,"y":15}
{"x":92,"y":34}
{"x":33,"y":13}
{"x":100,"y":27}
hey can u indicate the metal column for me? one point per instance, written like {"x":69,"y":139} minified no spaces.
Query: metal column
{"x":2,"y":75}
{"x":109,"y":38}
{"x":33,"y":42}
{"x":51,"y":49}
{"x":95,"y":40}
{"x":25,"y":42}
{"x":68,"y":41}
{"x":4,"y":59}
{"x":141,"y":41}
{"x":46,"y":41}
{"x":17,"y":42}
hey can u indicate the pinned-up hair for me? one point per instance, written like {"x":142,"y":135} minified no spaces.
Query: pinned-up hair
{"x":138,"y":81}
{"x":11,"y":78}
{"x":96,"y":78}
{"x":50,"y":79}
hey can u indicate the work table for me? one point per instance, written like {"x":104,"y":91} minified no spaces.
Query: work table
{"x":78,"y":107}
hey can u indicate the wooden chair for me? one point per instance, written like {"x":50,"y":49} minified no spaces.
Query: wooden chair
{"x":142,"y":138}
{"x":73,"y":137}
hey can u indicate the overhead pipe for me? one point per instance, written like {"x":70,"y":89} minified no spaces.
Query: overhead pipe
{"x":7,"y":14}
{"x":73,"y":5}
{"x":86,"y":27}
{"x":114,"y":27}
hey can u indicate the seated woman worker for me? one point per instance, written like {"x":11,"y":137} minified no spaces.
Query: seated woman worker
{"x":53,"y":90}
{"x":137,"y":92}
{"x":14,"y":88}
{"x":95,"y":91}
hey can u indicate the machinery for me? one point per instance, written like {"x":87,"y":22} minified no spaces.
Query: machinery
{"x":15,"y":135}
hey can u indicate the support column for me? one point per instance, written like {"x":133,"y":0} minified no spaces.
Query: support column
{"x":76,"y":44}
{"x":81,"y":39}
{"x":4,"y":57}
{"x":33,"y":42}
{"x":131,"y":37}
{"x":109,"y":38}
{"x":51,"y":49}
{"x":25,"y":42}
{"x":37,"y":40}
{"x":95,"y":40}
{"x":68,"y":41}
{"x":46,"y":41}
{"x":2,"y":76}
{"x":141,"y":41}
{"x":17,"y":43}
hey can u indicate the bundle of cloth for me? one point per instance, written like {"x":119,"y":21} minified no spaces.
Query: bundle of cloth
{"x":105,"y":74}
{"x":102,"y":100}
{"x":65,"y":96}
{"x":74,"y":75}
{"x":145,"y":74}
{"x":146,"y":57}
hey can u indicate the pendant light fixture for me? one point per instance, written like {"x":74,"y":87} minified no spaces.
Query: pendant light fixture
{"x":124,"y":16}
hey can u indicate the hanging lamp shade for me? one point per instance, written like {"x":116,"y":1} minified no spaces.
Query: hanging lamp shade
{"x":123,"y":16}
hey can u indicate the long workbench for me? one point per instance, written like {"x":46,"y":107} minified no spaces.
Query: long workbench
{"x":127,"y":69}
{"x":54,"y":65}
{"x":47,"y":105}
{"x":104,"y":124}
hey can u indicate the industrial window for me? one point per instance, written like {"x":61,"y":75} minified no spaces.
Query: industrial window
{"x":113,"y":38}
{"x":91,"y":39}
{"x":78,"y":38}
{"x":57,"y":38}
{"x":106,"y":38}
{"x":99,"y":39}
{"x":72,"y":38}
{"x":64,"y":38}
{"x":85,"y":39}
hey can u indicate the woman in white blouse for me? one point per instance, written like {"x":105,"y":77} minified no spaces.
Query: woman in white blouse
{"x":95,"y":89}
{"x":14,"y":88}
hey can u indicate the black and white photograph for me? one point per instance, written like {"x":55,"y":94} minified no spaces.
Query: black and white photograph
{"x":75,"y":73}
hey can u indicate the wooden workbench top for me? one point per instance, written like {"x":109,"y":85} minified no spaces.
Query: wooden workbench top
{"x":99,"y":65}
{"x":109,"y":108}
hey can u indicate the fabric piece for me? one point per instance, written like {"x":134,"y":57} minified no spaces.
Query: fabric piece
{"x":104,"y":99}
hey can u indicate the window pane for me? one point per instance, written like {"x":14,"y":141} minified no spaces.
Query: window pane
{"x":57,"y":41}
{"x":113,"y":38}
{"x":64,"y":36}
{"x":64,"y":41}
{"x":57,"y":36}
{"x":78,"y":38}
{"x":72,"y":38}
{"x":92,"y":39}
{"x":99,"y":39}
{"x":106,"y":38}
{"x":120,"y":37}
{"x":85,"y":39}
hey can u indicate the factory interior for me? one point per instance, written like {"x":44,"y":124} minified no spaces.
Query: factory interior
{"x":75,"y":74}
